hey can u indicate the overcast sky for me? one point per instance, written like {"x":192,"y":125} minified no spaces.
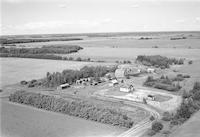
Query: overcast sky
{"x":80,"y":16}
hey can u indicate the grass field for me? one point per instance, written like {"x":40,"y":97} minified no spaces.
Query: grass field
{"x":14,"y":70}
{"x":24,"y":121}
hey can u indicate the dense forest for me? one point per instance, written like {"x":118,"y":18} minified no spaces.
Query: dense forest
{"x":158,"y":61}
{"x":78,"y":108}
{"x":27,"y":40}
{"x":70,"y":76}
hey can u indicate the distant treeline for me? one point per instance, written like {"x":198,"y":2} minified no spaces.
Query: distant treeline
{"x":158,"y":61}
{"x":178,"y":38}
{"x":34,"y":56}
{"x":14,"y":41}
{"x":78,"y":108}
{"x":70,"y":76}
{"x":47,"y":56}
{"x":44,"y":50}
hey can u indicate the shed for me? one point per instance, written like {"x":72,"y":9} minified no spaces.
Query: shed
{"x":151,"y":97}
{"x":150,"y":70}
{"x":63,"y":86}
{"x":127,"y":88}
{"x":113,"y":82}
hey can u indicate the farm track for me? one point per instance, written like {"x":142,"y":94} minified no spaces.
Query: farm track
{"x":138,"y":129}
{"x":141,"y":127}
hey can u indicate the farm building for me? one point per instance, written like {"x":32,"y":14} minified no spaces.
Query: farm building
{"x":63,"y":86}
{"x":83,"y":80}
{"x":113,"y":82}
{"x":150,"y":70}
{"x":127,"y":88}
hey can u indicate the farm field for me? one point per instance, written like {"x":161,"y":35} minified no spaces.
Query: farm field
{"x":106,"y":53}
{"x":20,"y":120}
{"x":116,"y":49}
{"x":14,"y":70}
{"x":25,"y":121}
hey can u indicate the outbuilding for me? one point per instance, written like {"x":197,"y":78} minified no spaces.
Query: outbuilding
{"x":63,"y":86}
{"x":113,"y":82}
{"x":150,"y":70}
{"x":127,"y":88}
{"x":151,"y":97}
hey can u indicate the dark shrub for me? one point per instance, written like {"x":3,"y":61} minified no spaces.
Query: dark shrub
{"x":70,"y":58}
{"x":151,"y":132}
{"x":30,"y":85}
{"x":166,"y":132}
{"x":157,"y":126}
{"x":186,"y":76}
{"x":78,"y":59}
{"x":152,"y":118}
{"x":196,"y":86}
{"x":33,"y":81}
{"x":190,"y":62}
{"x":166,"y":116}
{"x":23,"y":82}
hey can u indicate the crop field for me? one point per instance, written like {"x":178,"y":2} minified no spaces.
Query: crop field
{"x":13,"y":70}
{"x":131,"y":53}
{"x":25,"y":121}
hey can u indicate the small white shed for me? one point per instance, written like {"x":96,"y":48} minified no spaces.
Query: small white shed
{"x":63,"y":86}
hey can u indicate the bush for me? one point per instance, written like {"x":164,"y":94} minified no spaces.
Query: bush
{"x":30,"y":85}
{"x":166,"y":132}
{"x":190,"y":62}
{"x":23,"y":82}
{"x":186,"y":76}
{"x":152,"y":118}
{"x":157,"y":126}
{"x":78,"y":59}
{"x":151,"y":132}
{"x":70,"y":58}
{"x":166,"y":116}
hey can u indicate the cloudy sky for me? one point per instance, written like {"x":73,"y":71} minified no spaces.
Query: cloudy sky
{"x":80,"y":16}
